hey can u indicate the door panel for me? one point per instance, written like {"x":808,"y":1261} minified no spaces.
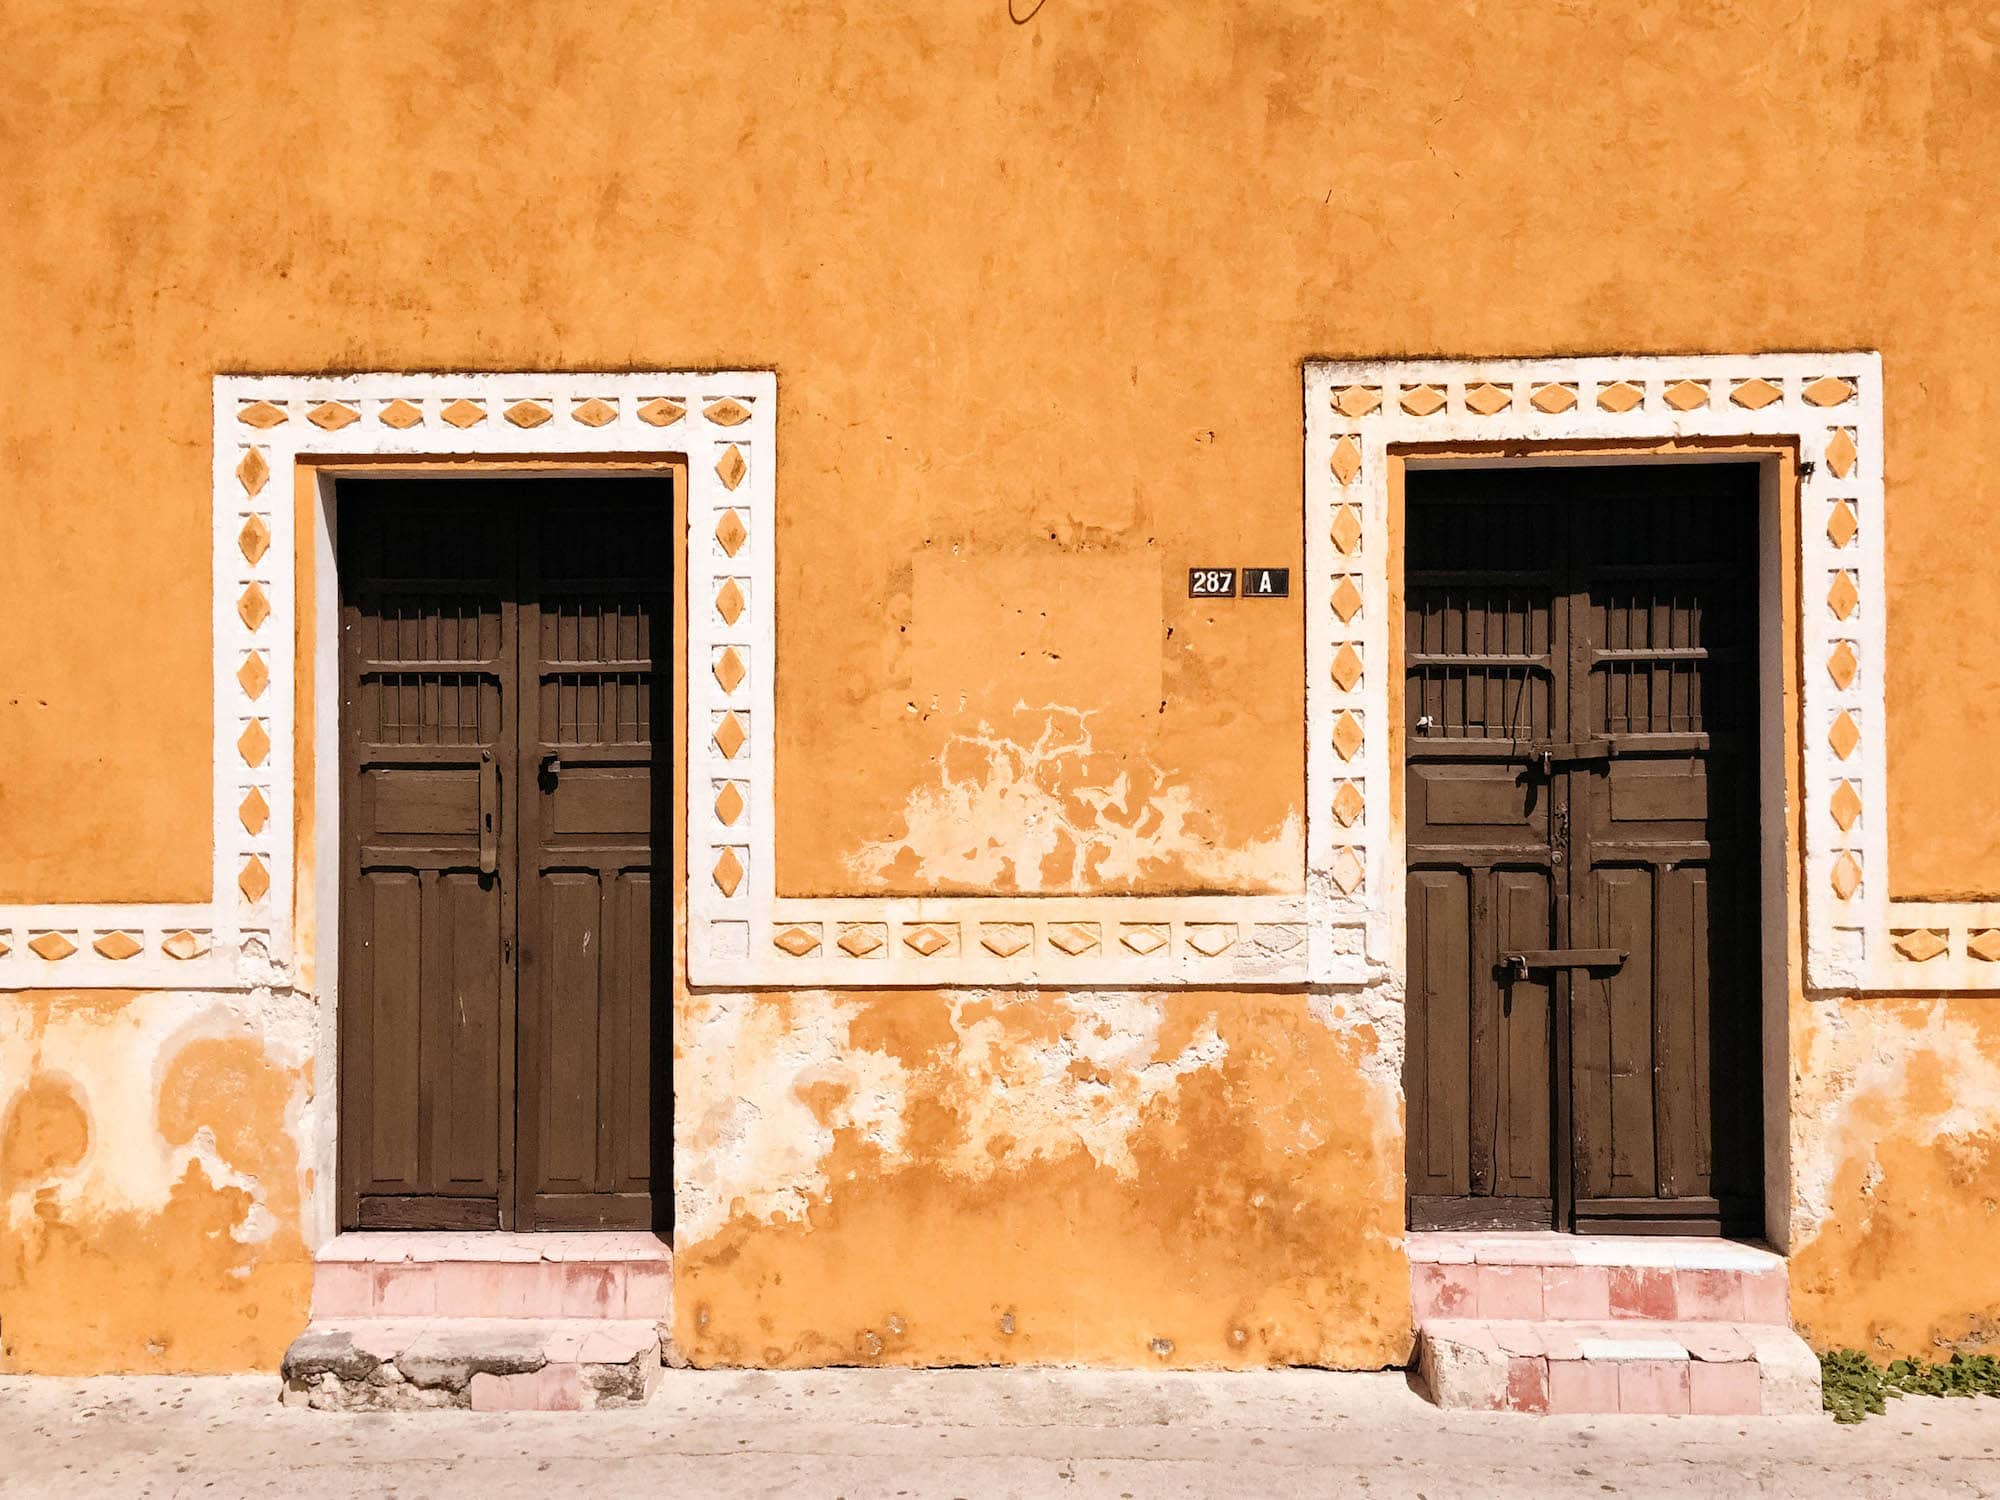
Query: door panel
{"x":596,"y":592}
{"x":496,"y":709}
{"x":427,"y":665}
{"x":1581,"y":739}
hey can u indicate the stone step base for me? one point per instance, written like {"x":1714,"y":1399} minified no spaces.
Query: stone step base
{"x":1665,"y":1369}
{"x":480,"y":1364}
{"x":387,"y":1274}
{"x":1562,"y":1276}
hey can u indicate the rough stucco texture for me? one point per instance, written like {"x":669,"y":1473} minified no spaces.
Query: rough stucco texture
{"x":1896,"y":1147}
{"x":1142,"y":1180}
{"x":1037,"y":295}
{"x":149,"y":1186}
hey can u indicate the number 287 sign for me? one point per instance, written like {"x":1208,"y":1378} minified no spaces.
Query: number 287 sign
{"x":1258,"y":583}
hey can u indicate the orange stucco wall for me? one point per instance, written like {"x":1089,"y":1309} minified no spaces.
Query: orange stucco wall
{"x":1037,"y":296}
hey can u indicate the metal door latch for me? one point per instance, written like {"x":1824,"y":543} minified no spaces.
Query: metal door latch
{"x":1517,"y":965}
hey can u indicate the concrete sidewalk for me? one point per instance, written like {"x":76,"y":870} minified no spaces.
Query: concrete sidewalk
{"x":981,"y":1434}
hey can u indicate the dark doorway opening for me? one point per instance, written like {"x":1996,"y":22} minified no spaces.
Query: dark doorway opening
{"x":1580,"y":719}
{"x":506,"y":836}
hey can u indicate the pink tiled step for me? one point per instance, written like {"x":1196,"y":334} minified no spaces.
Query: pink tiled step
{"x":1560,"y":1276}
{"x":1659,"y":1369}
{"x":424,"y":1275}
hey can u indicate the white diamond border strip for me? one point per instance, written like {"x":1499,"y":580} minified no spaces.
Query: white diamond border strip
{"x":1829,"y":405}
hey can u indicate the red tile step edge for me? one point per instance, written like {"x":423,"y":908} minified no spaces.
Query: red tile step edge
{"x":1600,"y":1368}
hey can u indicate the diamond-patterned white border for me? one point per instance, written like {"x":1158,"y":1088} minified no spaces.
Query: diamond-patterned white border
{"x":1829,"y":405}
{"x":1344,"y":929}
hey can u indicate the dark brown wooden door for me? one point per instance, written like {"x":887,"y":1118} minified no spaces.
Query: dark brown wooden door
{"x":502,"y":797}
{"x":1581,"y":741}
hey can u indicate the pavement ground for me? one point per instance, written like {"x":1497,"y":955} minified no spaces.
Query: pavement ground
{"x":980,"y":1434}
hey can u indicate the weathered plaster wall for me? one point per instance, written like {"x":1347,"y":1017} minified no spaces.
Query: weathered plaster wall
{"x":150,"y":1183}
{"x":1038,"y":295}
{"x":1896,"y":1146}
{"x":1134,"y":1179}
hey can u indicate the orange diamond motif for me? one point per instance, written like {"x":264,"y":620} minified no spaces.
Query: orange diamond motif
{"x":1844,"y":735}
{"x":1348,"y":871}
{"x":1755,"y":395}
{"x":1348,"y":804}
{"x":660,"y":412}
{"x":797,"y":941}
{"x":253,"y":676}
{"x":1553,"y":399}
{"x":1346,"y":460}
{"x":1841,"y":453}
{"x":858,"y":940}
{"x":255,"y":881}
{"x":1828,"y":390}
{"x":1845,"y":805}
{"x":730,"y":533}
{"x":1356,"y":400}
{"x":254,"y":540}
{"x":253,"y":812}
{"x":1841,"y":525}
{"x":1211,"y":938}
{"x":331,"y":416}
{"x":260,"y":414}
{"x":728,"y":804}
{"x":1422,"y":400}
{"x":729,"y":669}
{"x":731,"y":467}
{"x":729,"y":736}
{"x":464,"y":413}
{"x":728,"y":412}
{"x":253,"y":473}
{"x":1686,"y":395}
{"x":1843,"y":596}
{"x":253,"y":607}
{"x":1347,"y":530}
{"x":1073,"y":937}
{"x":1347,"y":736}
{"x":1846,"y":875}
{"x":728,"y":872}
{"x":1984,"y":945}
{"x":402,"y":415}
{"x":927,"y":941}
{"x":1620,"y":396}
{"x":1143,"y":940}
{"x":1005,"y":939}
{"x":596,"y":412}
{"x":52,"y":946}
{"x":729,"y":601}
{"x":1487,"y":398}
{"x":1346,"y":600}
{"x":1842,"y":665}
{"x":118,"y":946}
{"x":1346,"y":667}
{"x":1921,"y":945}
{"x":185,"y":945}
{"x":527,"y":414}
{"x":253,"y":744}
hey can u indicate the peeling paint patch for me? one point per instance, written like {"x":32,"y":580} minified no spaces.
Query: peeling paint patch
{"x":1195,"y":1179}
{"x":1896,"y":1208}
{"x":1038,"y":806}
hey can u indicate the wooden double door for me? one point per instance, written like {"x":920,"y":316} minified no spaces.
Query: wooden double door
{"x":503,"y":802}
{"x":1583,"y":895}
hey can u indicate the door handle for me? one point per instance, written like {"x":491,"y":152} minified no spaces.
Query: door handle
{"x":489,"y":813}
{"x":551,"y":768}
{"x":1517,"y":965}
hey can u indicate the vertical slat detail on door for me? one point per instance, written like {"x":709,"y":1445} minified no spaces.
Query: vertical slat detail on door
{"x":395,"y":949}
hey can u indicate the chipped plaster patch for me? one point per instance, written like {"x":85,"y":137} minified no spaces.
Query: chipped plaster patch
{"x":1044,"y":809}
